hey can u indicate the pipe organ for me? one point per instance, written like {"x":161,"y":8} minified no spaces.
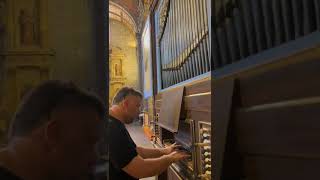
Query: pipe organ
{"x":245,"y":34}
{"x":183,"y":50}
{"x":242,"y":28}
{"x":182,"y":38}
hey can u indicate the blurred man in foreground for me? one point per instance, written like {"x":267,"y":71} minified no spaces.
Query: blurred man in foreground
{"x":53,"y":135}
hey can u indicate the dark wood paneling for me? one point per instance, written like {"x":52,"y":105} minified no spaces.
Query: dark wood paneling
{"x":198,"y":87}
{"x":291,"y":82}
{"x":194,"y":103}
{"x":199,"y":115}
{"x":274,"y":131}
{"x":223,"y":92}
{"x":201,"y":86}
{"x":276,"y":168}
{"x":286,"y":131}
{"x":196,"y":115}
{"x":193,"y":98}
{"x":198,"y":103}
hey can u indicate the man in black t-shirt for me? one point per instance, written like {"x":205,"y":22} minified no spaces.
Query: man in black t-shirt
{"x":53,"y":134}
{"x":122,"y":149}
{"x":128,"y":161}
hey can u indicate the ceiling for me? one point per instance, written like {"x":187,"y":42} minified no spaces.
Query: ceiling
{"x":136,"y":8}
{"x":131,"y":6}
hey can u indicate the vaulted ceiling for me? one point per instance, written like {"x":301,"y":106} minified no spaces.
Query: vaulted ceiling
{"x":136,"y":8}
{"x":131,"y":6}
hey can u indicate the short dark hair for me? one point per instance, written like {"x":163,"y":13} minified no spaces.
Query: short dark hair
{"x":37,"y":105}
{"x":123,"y":93}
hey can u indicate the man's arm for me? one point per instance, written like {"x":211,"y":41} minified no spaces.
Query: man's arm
{"x":149,"y":152}
{"x":141,"y":168}
{"x":155,"y":152}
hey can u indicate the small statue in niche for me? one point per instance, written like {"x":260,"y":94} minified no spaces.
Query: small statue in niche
{"x":27,"y":28}
{"x":120,"y":69}
{"x":117,"y":69}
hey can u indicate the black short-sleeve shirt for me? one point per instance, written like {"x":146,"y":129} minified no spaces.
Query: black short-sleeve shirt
{"x":122,"y":149}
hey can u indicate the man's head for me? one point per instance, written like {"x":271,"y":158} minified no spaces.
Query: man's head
{"x":64,"y":123}
{"x":129,"y":100}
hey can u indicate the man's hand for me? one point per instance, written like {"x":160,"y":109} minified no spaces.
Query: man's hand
{"x":177,"y":156}
{"x":170,"y":149}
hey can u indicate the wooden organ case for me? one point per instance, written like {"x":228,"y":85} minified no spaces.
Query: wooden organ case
{"x":265,"y":93}
{"x":264,"y":59}
{"x":181,"y":47}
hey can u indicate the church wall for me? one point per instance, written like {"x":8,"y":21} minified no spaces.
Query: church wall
{"x":120,"y":36}
{"x":47,"y":39}
{"x":71,"y":36}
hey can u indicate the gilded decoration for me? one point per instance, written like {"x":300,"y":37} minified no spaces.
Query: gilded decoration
{"x":117,"y":79}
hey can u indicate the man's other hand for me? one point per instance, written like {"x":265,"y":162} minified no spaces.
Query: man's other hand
{"x":170,"y":149}
{"x":177,"y":156}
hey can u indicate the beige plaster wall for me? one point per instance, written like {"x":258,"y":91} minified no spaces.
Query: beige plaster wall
{"x":120,"y":36}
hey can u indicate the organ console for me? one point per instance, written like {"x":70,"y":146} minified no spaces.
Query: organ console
{"x":193,"y":133}
{"x":204,"y":151}
{"x":198,"y":166}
